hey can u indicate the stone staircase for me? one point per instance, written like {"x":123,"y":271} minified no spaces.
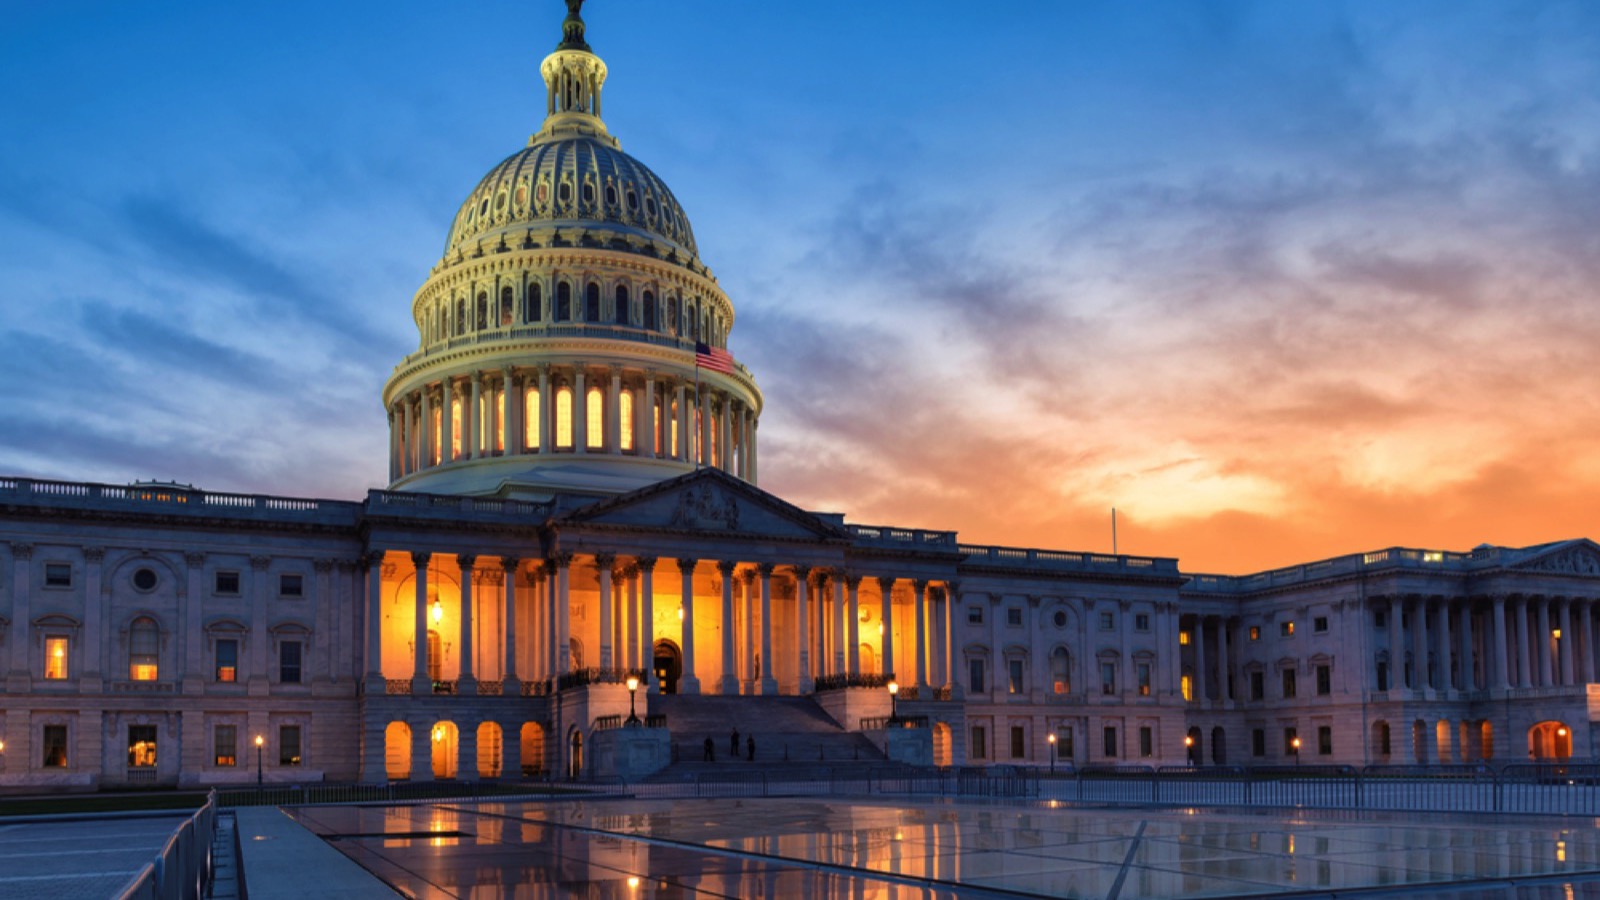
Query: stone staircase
{"x":226,"y":879}
{"x":787,"y":730}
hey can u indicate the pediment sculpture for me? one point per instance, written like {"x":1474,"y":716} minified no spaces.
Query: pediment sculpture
{"x":1573,"y":561}
{"x":707,"y":508}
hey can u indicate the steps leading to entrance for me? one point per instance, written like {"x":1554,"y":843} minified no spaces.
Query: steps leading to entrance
{"x":786,"y":729}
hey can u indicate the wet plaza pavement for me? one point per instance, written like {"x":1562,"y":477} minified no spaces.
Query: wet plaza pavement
{"x":86,"y":857}
{"x":776,"y":847}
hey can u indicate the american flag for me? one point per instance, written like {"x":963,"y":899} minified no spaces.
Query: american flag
{"x":713,"y":358}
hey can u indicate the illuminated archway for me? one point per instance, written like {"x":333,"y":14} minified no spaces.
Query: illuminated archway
{"x":446,"y":742}
{"x":1550,"y":740}
{"x":942,"y":750}
{"x":532,"y":741}
{"x":397,"y":751}
{"x":489,"y":750}
{"x":1442,"y":738}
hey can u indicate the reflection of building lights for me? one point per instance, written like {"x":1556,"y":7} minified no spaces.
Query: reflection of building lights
{"x":1291,"y":843}
{"x":633,"y":882}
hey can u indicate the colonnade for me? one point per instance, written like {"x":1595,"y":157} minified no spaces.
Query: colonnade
{"x":1501,"y":641}
{"x":572,"y":409}
{"x":817,"y":631}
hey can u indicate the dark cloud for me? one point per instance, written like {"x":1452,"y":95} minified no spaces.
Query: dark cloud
{"x":151,"y":340}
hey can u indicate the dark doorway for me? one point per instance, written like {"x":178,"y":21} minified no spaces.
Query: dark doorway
{"x":668,"y":666}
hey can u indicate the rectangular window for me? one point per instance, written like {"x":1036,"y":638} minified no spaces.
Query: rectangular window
{"x":1064,"y":743}
{"x":1258,"y":742}
{"x":1319,"y":625}
{"x":1141,"y":622}
{"x":1019,"y":747}
{"x":975,"y":615}
{"x":1383,"y":739}
{"x":1324,"y":681}
{"x":291,"y":586}
{"x":289,"y":745}
{"x":225,"y":743}
{"x":1288,"y":683}
{"x":1255,"y":632}
{"x":58,"y":575}
{"x":1014,"y":671}
{"x":1379,"y":620}
{"x":1108,"y":621}
{"x":1383,"y":676}
{"x":141,"y":746}
{"x":55,"y":658}
{"x":1285,"y":629}
{"x":289,"y":662}
{"x":55,"y":747}
{"x":980,"y":742}
{"x":1109,"y":741}
{"x":1291,"y":742}
{"x":227,"y":660}
{"x":975,"y":676}
{"x":1108,"y":678}
{"x":1147,"y":741}
{"x":1324,"y":740}
{"x":1186,"y":684}
{"x":1013,"y":616}
{"x":1183,"y":638}
{"x":227,"y":583}
{"x":1143,"y":671}
{"x":1258,"y":686}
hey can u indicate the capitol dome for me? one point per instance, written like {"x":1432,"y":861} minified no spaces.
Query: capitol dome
{"x":571,"y":339}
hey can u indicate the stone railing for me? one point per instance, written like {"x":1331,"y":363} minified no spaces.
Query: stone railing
{"x":449,"y":506}
{"x":175,"y":500}
{"x":584,"y":677}
{"x":397,"y":686}
{"x":491,"y":688}
{"x":540,"y":688}
{"x":607,"y":723}
{"x":843,"y":681}
{"x":879,"y":723}
{"x":1024,"y":557}
{"x":1390,"y":558}
{"x":913,"y":537}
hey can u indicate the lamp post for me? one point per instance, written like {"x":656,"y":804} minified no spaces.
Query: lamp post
{"x":1296,"y":745}
{"x":633,"y":685}
{"x":894,"y":709}
{"x":1188,"y":748}
{"x":260,"y":741}
{"x":1051,"y":738}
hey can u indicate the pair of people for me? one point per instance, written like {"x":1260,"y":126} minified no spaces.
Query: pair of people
{"x":733,"y":747}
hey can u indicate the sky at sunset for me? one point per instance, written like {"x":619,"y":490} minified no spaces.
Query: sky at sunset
{"x":1279,"y":281}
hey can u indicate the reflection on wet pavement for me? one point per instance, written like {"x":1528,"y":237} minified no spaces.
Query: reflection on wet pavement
{"x":775,"y":847}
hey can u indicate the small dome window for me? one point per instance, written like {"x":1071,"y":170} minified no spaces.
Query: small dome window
{"x":522,"y":195}
{"x":500,"y":201}
{"x":1060,"y":618}
{"x":543,"y":193}
{"x":588,"y":192}
{"x":611,"y":195}
{"x":483,"y":208}
{"x":145,"y":579}
{"x":564,"y":193}
{"x":650,"y":206}
{"x":633,"y":201}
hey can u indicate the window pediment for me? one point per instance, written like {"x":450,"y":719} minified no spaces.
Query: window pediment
{"x":56,"y":620}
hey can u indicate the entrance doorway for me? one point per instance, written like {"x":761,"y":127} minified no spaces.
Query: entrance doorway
{"x":668,"y":666}
{"x":1549,"y":740}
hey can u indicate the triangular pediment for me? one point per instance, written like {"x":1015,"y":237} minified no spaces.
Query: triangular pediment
{"x":707,"y":501}
{"x":1577,"y":557}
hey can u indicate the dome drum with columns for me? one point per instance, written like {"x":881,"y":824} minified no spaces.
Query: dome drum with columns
{"x":558,"y":333}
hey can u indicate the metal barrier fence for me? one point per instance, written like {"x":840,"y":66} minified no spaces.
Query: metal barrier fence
{"x":183,"y":868}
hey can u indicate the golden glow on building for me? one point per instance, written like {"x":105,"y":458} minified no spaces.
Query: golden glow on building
{"x":564,"y":418}
{"x":530,"y":419}
{"x":55,"y":658}
{"x":625,"y":419}
{"x":594,"y":404}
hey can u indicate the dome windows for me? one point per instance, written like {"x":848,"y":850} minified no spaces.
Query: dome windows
{"x":564,"y":193}
{"x":633,"y":202}
{"x":542,"y":193}
{"x":588,"y":194}
{"x":483,"y":310}
{"x":650,"y":207}
{"x":506,"y":311}
{"x":621,"y":311}
{"x":650,"y":311}
{"x":483,"y":209}
{"x":591,"y":302}
{"x":563,"y":302}
{"x":461,"y":316}
{"x":500,"y":201}
{"x":533,"y":308}
{"x":522,"y":195}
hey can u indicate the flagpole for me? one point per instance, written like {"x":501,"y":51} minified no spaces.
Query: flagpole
{"x":699,"y":428}
{"x":1113,"y":531}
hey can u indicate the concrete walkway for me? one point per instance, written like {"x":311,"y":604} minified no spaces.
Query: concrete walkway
{"x":283,"y":861}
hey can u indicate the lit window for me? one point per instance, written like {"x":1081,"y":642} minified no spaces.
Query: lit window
{"x":1186,"y":685}
{"x":1286,"y":629}
{"x":1143,"y":672}
{"x":1183,"y":638}
{"x":1255,"y":633}
{"x":55,"y":747}
{"x":455,"y":428}
{"x":55,"y":658}
{"x":227,"y":660}
{"x":437,"y":415}
{"x":1061,"y":670}
{"x":58,"y":575}
{"x":144,"y":649}
{"x":625,"y":415}
{"x":594,"y":415}
{"x":291,"y":586}
{"x":564,"y":418}
{"x":675,"y":452}
{"x":289,"y":662}
{"x":1014,"y":671}
{"x":226,"y":745}
{"x":530,"y":421}
{"x":289,"y":745}
{"x":141,"y":746}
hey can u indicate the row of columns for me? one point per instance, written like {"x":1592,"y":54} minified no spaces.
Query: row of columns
{"x":1525,"y":641}
{"x":422,"y":426}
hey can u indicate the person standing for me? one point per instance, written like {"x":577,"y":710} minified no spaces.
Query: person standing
{"x":711,"y":751}
{"x":733,"y":743}
{"x":750,"y":748}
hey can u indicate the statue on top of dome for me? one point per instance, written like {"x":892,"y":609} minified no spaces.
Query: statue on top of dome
{"x":572,"y":28}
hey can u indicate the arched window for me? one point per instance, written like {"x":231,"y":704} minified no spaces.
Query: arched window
{"x":455,"y":428}
{"x":506,"y":312}
{"x":435,"y":657}
{"x":483,"y":310}
{"x":564,"y":418}
{"x":594,"y":418}
{"x":532,"y":307}
{"x":591,"y":303}
{"x":530,"y":420}
{"x":621,"y":312}
{"x":461,"y":316}
{"x":650,"y":311}
{"x":674,"y":429}
{"x":672,"y":315}
{"x":563,"y":302}
{"x":144,"y":649}
{"x":625,"y":415}
{"x":1061,"y":670}
{"x":694,"y":324}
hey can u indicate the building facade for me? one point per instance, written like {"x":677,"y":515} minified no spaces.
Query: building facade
{"x":574,"y":499}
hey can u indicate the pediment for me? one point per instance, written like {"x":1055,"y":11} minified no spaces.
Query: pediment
{"x":1579,"y":557}
{"x":706,"y":501}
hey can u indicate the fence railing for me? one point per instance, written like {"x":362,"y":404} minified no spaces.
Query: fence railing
{"x":861,"y":680}
{"x":183,"y":868}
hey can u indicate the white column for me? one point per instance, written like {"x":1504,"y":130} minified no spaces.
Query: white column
{"x":472,"y":425}
{"x":630,"y":656}
{"x":425,"y":410}
{"x":853,"y":621}
{"x":511,"y":408}
{"x":509,"y":678}
{"x":546,"y":405}
{"x":724,"y":436}
{"x":1419,"y":641}
{"x":1222,"y":659}
{"x":840,"y":635}
{"x":690,"y":682}
{"x":561,"y":615}
{"x":1586,"y":628}
{"x":749,"y":641}
{"x":372,"y":565}
{"x":952,"y":600}
{"x":769,"y":684}
{"x":703,"y":451}
{"x":1202,"y":694}
{"x":1547,"y":672}
{"x":802,"y":575}
{"x":614,"y":412}
{"x":1501,"y":676}
{"x":919,"y":640}
{"x":647,"y":620}
{"x":729,"y":682}
{"x":645,"y":438}
{"x":1519,"y":622}
{"x":447,"y":421}
{"x":1469,"y":676}
{"x":466,"y":679}
{"x":886,"y":586}
{"x":580,"y":412}
{"x":602,"y":564}
{"x":420,"y":683}
{"x":684,"y":431}
{"x":1569,"y":674}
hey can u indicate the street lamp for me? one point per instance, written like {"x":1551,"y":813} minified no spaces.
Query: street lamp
{"x":1051,"y":737}
{"x":894,"y":709}
{"x":633,"y":685}
{"x":259,"y":742}
{"x":1296,"y":744}
{"x":1188,"y":748}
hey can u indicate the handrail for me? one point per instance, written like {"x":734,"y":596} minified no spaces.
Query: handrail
{"x":184,"y":867}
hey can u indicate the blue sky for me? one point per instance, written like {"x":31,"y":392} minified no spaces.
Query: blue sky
{"x":1278,"y":280}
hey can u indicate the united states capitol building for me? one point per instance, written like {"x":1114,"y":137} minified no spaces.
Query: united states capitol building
{"x":574,"y":500}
